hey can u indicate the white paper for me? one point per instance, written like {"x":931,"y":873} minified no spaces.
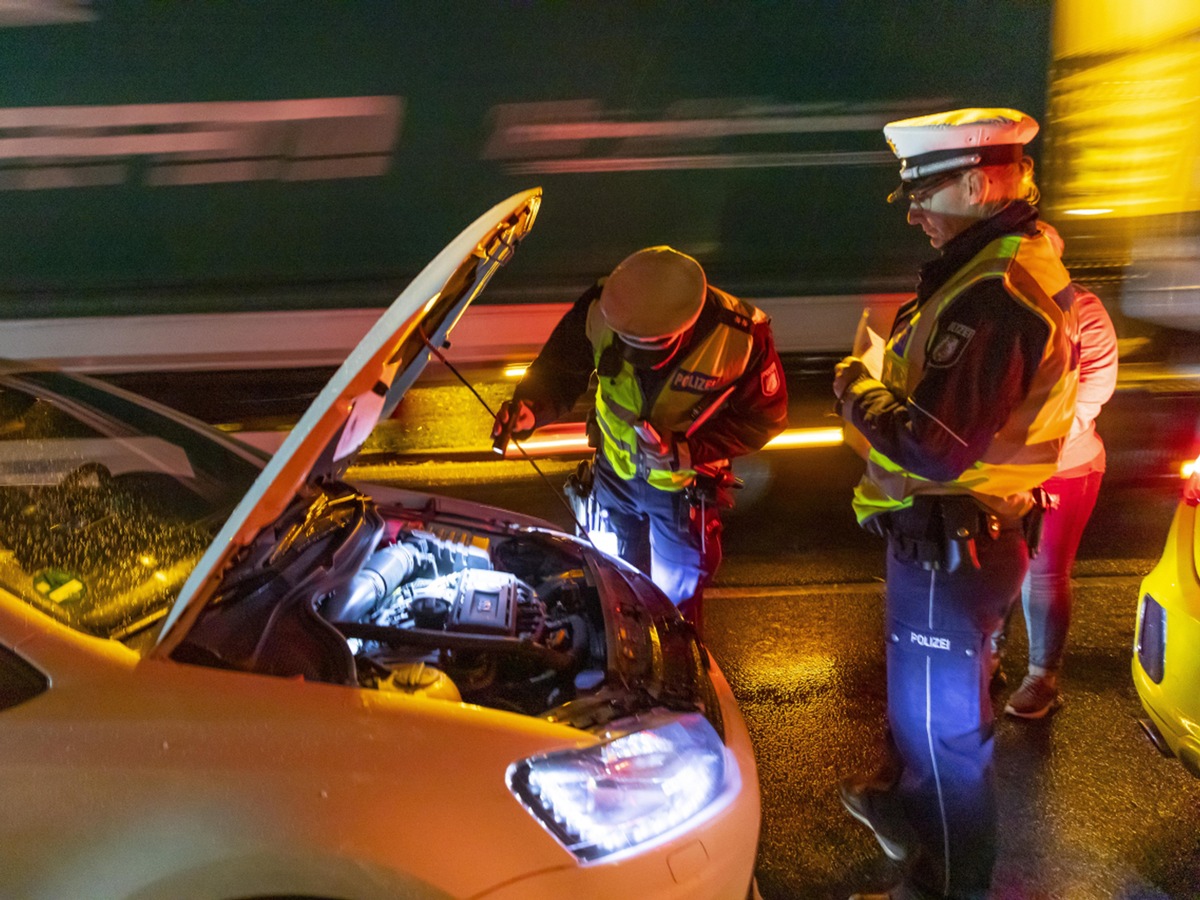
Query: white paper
{"x":868,"y":346}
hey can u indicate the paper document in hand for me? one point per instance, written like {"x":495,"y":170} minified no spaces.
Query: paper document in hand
{"x":873,"y":356}
{"x":868,"y":346}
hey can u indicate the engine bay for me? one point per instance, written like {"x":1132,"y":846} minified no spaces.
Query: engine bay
{"x":351,"y":589}
{"x":510,"y":622}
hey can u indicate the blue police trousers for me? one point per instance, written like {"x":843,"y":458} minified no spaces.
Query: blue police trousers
{"x":664,"y":535}
{"x":939,"y":628}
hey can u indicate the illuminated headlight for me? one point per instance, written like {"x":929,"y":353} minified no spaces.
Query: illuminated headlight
{"x":622,"y":793}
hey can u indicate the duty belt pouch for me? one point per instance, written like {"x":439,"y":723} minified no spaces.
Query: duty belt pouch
{"x":938,"y":531}
{"x":698,"y":496}
{"x":706,"y":493}
{"x":578,"y":489}
{"x":715,"y":490}
{"x":915,"y":539}
{"x":592,"y":430}
{"x":962,"y":522}
{"x":701,"y":492}
{"x":590,"y":517}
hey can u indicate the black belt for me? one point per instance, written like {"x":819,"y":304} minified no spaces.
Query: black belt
{"x":939,"y":531}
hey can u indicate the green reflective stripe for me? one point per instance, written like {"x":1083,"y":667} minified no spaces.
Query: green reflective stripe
{"x":666,"y":480}
{"x":623,"y":458}
{"x":870,"y":499}
{"x":626,"y":443}
{"x":622,"y":463}
{"x":888,"y":465}
{"x":615,"y":421}
{"x":865,"y":509}
{"x":618,"y":401}
{"x":1008,"y":246}
{"x":619,"y":449}
{"x":617,"y":409}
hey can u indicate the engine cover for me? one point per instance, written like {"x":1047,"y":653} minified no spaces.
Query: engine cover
{"x":489,"y":602}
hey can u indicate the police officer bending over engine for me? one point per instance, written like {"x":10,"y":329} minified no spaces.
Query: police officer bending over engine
{"x":687,"y":378}
{"x":965,"y":422}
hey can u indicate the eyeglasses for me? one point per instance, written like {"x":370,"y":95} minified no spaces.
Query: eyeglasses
{"x":923,"y":188}
{"x":655,"y":343}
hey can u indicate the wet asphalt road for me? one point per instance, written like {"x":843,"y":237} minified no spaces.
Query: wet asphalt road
{"x":1088,"y":809}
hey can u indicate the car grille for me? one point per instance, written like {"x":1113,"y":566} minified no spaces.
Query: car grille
{"x":1152,"y":638}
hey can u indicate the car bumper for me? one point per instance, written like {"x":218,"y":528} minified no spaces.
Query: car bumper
{"x":711,"y":857}
{"x":1166,"y":665}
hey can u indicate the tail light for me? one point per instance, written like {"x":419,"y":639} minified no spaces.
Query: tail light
{"x":1191,"y":490}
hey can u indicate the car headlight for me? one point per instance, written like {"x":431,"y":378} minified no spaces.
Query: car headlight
{"x":614,"y":796}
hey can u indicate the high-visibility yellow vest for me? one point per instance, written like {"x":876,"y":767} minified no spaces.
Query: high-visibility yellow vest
{"x":1024,"y":452}
{"x":709,"y":369}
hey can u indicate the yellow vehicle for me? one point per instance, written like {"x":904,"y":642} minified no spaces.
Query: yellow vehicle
{"x":1166,"y":658}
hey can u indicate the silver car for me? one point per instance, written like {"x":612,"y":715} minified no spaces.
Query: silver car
{"x":224,"y":675}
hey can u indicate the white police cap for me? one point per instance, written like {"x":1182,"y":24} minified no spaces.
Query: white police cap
{"x":959,"y":139}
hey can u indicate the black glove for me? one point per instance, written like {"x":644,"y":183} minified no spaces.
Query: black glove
{"x":514,"y":419}
{"x":845,"y":373}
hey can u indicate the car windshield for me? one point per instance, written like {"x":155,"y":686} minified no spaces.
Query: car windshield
{"x":106,"y":502}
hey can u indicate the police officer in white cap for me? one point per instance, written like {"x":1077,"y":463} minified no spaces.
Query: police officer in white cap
{"x":964,"y":422}
{"x":687,"y":378}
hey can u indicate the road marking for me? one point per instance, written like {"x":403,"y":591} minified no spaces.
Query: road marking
{"x":766,"y":591}
{"x":749,"y":592}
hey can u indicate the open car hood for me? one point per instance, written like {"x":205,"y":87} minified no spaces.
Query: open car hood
{"x":364,"y":390}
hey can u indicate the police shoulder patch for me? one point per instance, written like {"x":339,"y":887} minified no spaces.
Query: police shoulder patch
{"x":949,"y":343}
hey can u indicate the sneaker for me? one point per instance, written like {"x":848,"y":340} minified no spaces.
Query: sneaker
{"x":868,"y":804}
{"x":1035,"y":698}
